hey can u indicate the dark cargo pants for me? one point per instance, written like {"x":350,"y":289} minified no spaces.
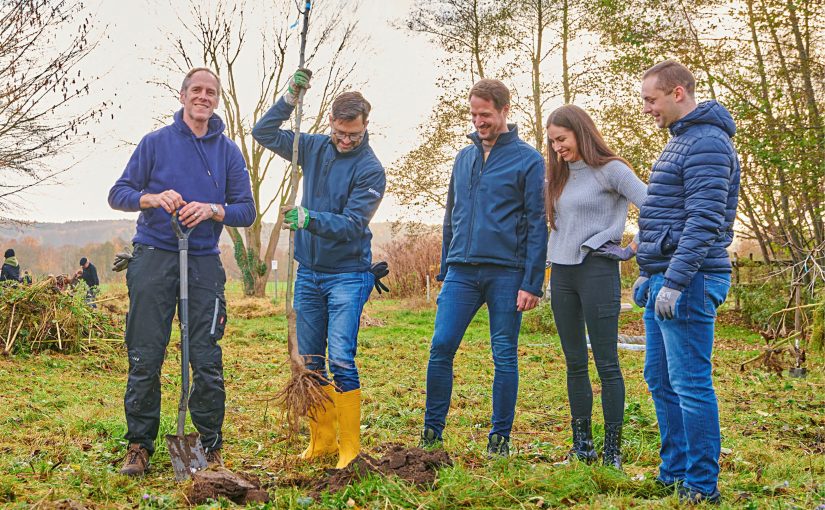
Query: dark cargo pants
{"x":153,"y":279}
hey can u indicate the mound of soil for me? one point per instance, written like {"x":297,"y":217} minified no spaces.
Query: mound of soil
{"x":241,"y":488}
{"x":414,"y":465}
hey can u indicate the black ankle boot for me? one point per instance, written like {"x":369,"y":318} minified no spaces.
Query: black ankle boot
{"x":612,"y":455}
{"x":582,"y":441}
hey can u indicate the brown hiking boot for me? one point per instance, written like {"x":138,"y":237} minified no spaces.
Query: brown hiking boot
{"x":137,"y":461}
{"x":213,"y":459}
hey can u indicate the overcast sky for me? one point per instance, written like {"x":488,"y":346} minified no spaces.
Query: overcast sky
{"x":398,"y":69}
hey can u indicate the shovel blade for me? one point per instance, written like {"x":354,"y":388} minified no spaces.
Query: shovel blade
{"x":187,"y":454}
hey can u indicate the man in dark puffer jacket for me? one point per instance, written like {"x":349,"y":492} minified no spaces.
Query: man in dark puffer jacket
{"x":685,"y":226}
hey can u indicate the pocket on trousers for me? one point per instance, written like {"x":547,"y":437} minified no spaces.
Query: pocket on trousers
{"x":608,"y":310}
{"x":716,"y":291}
{"x":218,"y":318}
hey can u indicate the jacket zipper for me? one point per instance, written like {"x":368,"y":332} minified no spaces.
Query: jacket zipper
{"x":473,"y":198}
{"x":319,"y":188}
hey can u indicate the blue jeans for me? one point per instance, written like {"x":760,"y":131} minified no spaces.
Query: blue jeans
{"x":466,"y":288}
{"x":329,"y":306}
{"x":678,"y":373}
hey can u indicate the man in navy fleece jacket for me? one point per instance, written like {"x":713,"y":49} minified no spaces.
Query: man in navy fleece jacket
{"x":190,"y":167}
{"x":343,"y":185}
{"x":493,"y":252}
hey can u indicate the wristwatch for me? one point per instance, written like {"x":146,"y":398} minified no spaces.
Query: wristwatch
{"x":214,"y":208}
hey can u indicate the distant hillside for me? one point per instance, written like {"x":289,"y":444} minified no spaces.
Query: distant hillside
{"x":55,"y":248}
{"x":82,"y":233}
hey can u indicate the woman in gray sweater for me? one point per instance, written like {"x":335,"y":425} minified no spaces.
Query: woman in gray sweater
{"x":588,"y":190}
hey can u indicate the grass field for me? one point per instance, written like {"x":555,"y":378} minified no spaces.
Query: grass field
{"x":61,"y":424}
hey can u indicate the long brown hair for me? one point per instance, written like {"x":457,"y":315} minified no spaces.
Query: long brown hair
{"x":592,"y":149}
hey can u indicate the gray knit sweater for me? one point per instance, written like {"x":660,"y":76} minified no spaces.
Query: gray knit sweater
{"x":592,"y":209}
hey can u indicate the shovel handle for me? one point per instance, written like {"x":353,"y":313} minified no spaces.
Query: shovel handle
{"x":183,"y":249}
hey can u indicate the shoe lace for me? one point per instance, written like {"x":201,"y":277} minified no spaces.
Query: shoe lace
{"x":133,"y":455}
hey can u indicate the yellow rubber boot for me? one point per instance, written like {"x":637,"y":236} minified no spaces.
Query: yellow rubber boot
{"x":348,"y":407}
{"x":322,"y":429}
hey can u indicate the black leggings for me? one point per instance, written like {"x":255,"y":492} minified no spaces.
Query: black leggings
{"x":589,"y":293}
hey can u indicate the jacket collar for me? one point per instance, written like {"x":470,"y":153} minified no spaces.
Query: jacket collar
{"x":503,"y":138}
{"x":214,"y":127}
{"x":706,"y":112}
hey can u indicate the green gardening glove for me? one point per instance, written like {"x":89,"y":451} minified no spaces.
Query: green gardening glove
{"x":295,"y":217}
{"x":299,"y":81}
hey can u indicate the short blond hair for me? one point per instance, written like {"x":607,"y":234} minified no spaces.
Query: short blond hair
{"x":671,"y":74}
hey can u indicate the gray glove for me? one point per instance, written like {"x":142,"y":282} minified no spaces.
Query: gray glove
{"x":640,"y":291}
{"x":613,"y":250}
{"x":666,"y":303}
{"x":122,"y":260}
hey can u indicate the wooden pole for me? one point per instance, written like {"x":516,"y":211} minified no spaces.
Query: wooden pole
{"x":292,"y":340}
{"x":303,"y":393}
{"x":736,"y":281}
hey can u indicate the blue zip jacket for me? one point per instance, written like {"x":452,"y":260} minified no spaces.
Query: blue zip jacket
{"x":208,"y":169}
{"x":686,"y":223}
{"x":341,"y":190}
{"x":495,"y":209}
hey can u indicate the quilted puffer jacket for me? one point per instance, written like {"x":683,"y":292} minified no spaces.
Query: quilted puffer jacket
{"x":686,"y":222}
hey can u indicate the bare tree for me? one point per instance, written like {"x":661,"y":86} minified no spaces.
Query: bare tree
{"x":486,"y":39}
{"x":220,"y":38}
{"x":40,"y":86}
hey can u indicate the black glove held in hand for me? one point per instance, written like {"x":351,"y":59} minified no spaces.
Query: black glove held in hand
{"x":121,"y":261}
{"x":380,"y":270}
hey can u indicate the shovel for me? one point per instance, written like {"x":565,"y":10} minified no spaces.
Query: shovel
{"x":186,"y":451}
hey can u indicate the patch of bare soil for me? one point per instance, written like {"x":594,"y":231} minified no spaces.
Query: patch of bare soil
{"x":251,"y":308}
{"x":414,"y":465}
{"x":734,"y":318}
{"x":241,"y":488}
{"x":632,"y":327}
{"x":68,"y":504}
{"x":370,"y":322}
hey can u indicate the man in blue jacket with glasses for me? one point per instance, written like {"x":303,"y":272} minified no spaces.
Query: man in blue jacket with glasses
{"x":190,"y":167}
{"x":493,"y":252}
{"x":343,"y":185}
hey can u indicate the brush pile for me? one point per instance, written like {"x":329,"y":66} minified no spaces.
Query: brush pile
{"x":50,"y":315}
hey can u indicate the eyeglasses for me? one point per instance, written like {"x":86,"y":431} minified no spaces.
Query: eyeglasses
{"x":352,"y":137}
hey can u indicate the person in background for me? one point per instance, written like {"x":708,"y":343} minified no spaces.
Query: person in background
{"x":589,"y":188}
{"x":89,"y":275}
{"x":11,"y":268}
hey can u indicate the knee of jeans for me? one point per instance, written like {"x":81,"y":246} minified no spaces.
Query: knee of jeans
{"x":506,"y":362}
{"x":576,"y":368}
{"x":653,"y":379}
{"x":697,"y":389}
{"x":609,"y":371}
{"x":441,"y":350}
{"x":345,"y":375}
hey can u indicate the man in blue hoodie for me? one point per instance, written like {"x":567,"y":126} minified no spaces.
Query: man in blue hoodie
{"x":343,"y":185}
{"x":493,"y":251}
{"x":192,"y":168}
{"x":685,"y":226}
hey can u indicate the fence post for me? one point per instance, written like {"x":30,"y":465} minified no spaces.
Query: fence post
{"x":797,"y":289}
{"x":736,"y":280}
{"x":428,"y":287}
